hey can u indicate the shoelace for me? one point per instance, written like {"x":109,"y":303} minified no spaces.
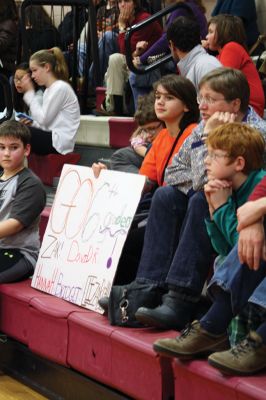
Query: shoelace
{"x":189,"y":329}
{"x":244,"y":347}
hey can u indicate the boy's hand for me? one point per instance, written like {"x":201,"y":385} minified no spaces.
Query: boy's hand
{"x":251,"y":212}
{"x":97,"y":167}
{"x":251,"y":245}
{"x":217,"y":192}
{"x":217,"y":119}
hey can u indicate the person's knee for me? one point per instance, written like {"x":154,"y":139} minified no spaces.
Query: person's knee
{"x":198,"y":202}
{"x":165,"y":197}
{"x":116,"y":60}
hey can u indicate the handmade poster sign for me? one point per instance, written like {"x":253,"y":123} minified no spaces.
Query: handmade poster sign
{"x":86,"y":231}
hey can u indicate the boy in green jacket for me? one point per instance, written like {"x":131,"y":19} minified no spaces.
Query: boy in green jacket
{"x":234,"y":167}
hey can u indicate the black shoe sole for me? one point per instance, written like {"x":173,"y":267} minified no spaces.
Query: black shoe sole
{"x":153,"y":322}
{"x":168,"y":353}
{"x":185,"y":356}
{"x":229,"y":371}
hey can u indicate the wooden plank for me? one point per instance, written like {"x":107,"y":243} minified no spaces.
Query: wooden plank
{"x":11,"y":389}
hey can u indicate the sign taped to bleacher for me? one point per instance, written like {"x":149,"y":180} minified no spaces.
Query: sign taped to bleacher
{"x":85,"y":234}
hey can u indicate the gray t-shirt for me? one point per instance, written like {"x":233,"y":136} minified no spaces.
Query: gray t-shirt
{"x":23,"y":198}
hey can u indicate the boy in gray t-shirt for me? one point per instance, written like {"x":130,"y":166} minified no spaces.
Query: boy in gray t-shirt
{"x":22,"y":199}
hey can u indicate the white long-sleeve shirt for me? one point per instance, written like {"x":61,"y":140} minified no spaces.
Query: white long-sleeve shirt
{"x":59,"y":113}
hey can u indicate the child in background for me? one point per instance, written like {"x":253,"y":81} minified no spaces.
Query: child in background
{"x":233,"y":163}
{"x":22,"y":198}
{"x":56,"y":121}
{"x":141,"y":140}
{"x":130,"y":158}
{"x":19,"y":105}
{"x":175,"y":105}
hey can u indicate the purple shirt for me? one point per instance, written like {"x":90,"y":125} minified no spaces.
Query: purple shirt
{"x":161,"y":46}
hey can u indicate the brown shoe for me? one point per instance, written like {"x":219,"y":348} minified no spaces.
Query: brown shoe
{"x":248,"y":357}
{"x":193,"y":342}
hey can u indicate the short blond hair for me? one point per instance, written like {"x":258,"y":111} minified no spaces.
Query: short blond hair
{"x":239,"y":139}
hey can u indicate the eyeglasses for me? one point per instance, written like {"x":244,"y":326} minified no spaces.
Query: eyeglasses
{"x":215,"y":156}
{"x":151,"y":130}
{"x":207,"y":100}
{"x":18,"y":80}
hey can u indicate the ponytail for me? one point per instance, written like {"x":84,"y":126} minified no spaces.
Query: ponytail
{"x":56,"y":59}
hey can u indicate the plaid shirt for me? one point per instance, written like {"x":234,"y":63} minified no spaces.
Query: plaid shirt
{"x":250,"y":318}
{"x":187,"y":170}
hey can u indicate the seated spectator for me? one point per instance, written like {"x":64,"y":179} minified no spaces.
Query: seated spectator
{"x":181,"y":264}
{"x":19,"y":105}
{"x":22,"y":200}
{"x":66,"y":26}
{"x":246,"y":10}
{"x":141,"y":84}
{"x":117,"y":72}
{"x":129,"y":159}
{"x":8,"y":41}
{"x":107,"y":29}
{"x":176,"y":106}
{"x":223,"y":234}
{"x":161,"y":46}
{"x":40,"y":30}
{"x":193,"y":61}
{"x":227,"y":36}
{"x":56,"y":121}
{"x":239,"y":281}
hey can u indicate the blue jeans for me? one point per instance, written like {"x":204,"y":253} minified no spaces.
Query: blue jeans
{"x":242,"y":283}
{"x":107,"y":45}
{"x":177,"y":250}
{"x":142,"y":84}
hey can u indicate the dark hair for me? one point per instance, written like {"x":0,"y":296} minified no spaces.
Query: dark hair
{"x":145,"y":112}
{"x":229,"y":28}
{"x":18,"y":102}
{"x":184,"y":32}
{"x":17,"y":130}
{"x":230,"y":82}
{"x":37,"y":17}
{"x":8,"y":10}
{"x":184,"y":90}
{"x":137,"y":5}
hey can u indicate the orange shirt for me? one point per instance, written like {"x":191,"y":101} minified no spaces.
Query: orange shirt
{"x":154,"y":162}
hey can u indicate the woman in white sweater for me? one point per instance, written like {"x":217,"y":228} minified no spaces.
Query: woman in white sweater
{"x":56,"y":121}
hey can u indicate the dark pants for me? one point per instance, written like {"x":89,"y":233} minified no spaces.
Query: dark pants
{"x":177,"y":250}
{"x":41,"y":141}
{"x":17,"y":272}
